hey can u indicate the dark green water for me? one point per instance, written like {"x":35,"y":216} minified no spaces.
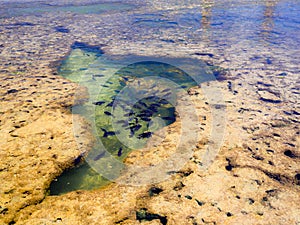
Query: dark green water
{"x":127,"y":104}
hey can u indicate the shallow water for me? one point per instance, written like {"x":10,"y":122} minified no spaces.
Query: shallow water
{"x":126,"y":106}
{"x":217,"y":24}
{"x":37,"y":9}
{"x":245,"y":30}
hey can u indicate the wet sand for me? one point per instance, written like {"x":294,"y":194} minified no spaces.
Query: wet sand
{"x":255,"y":176}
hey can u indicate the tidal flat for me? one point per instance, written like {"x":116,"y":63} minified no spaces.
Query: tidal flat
{"x":152,"y":112}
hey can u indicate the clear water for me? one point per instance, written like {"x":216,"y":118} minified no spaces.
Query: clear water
{"x":38,"y":8}
{"x":235,"y":28}
{"x":126,"y":104}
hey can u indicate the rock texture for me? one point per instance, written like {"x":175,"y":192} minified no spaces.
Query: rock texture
{"x":255,"y":177}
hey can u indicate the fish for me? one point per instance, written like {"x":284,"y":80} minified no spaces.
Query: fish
{"x":229,"y":85}
{"x":145,"y":119}
{"x":167,"y":95}
{"x":148,"y":112}
{"x":163,"y":101}
{"x":135,"y":127}
{"x":165,"y":90}
{"x":108,"y":133}
{"x":153,"y":86}
{"x":153,"y":108}
{"x":124,"y":122}
{"x":98,"y":75}
{"x":99,"y":156}
{"x":120,"y":151}
{"x":129,"y":114}
{"x":99,"y":103}
{"x":144,"y":115}
{"x":155,"y":92}
{"x":135,"y":120}
{"x":155,"y":105}
{"x":145,"y":135}
{"x":110,"y":104}
{"x":108,"y":113}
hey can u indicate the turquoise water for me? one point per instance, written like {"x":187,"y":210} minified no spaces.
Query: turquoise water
{"x":127,"y":104}
{"x":38,"y":8}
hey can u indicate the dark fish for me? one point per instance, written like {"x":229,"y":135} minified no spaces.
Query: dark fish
{"x":108,"y":133}
{"x":99,"y":103}
{"x":61,"y":29}
{"x":155,"y":105}
{"x":82,"y":69}
{"x":155,"y":92}
{"x":167,"y":95}
{"x":110,"y":104}
{"x":116,"y":91}
{"x":145,"y":119}
{"x":153,"y":86}
{"x":120,"y":151}
{"x":163,"y":101}
{"x":108,"y":113}
{"x":98,"y":75}
{"x":105,"y":86}
{"x":204,"y":54}
{"x":229,"y":85}
{"x":148,"y":112}
{"x":135,"y":120}
{"x":153,"y":108}
{"x":145,"y":135}
{"x":168,"y":89}
{"x":99,"y":156}
{"x":135,"y":127}
{"x":144,"y":115}
{"x":129,"y":114}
